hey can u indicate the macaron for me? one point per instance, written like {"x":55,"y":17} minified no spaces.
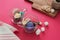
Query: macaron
{"x":46,"y":23}
{"x":30,"y":24}
{"x":38,"y":31}
{"x":42,"y":29}
{"x":17,"y":15}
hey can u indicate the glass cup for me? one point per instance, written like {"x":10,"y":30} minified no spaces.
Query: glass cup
{"x":17,"y":16}
{"x":31,"y":24}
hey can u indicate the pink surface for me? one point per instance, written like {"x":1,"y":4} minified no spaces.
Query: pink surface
{"x":53,"y":31}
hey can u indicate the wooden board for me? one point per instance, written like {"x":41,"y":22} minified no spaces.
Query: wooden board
{"x":38,"y":3}
{"x":38,"y":7}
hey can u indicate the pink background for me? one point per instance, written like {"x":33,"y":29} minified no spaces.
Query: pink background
{"x":52,"y":32}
